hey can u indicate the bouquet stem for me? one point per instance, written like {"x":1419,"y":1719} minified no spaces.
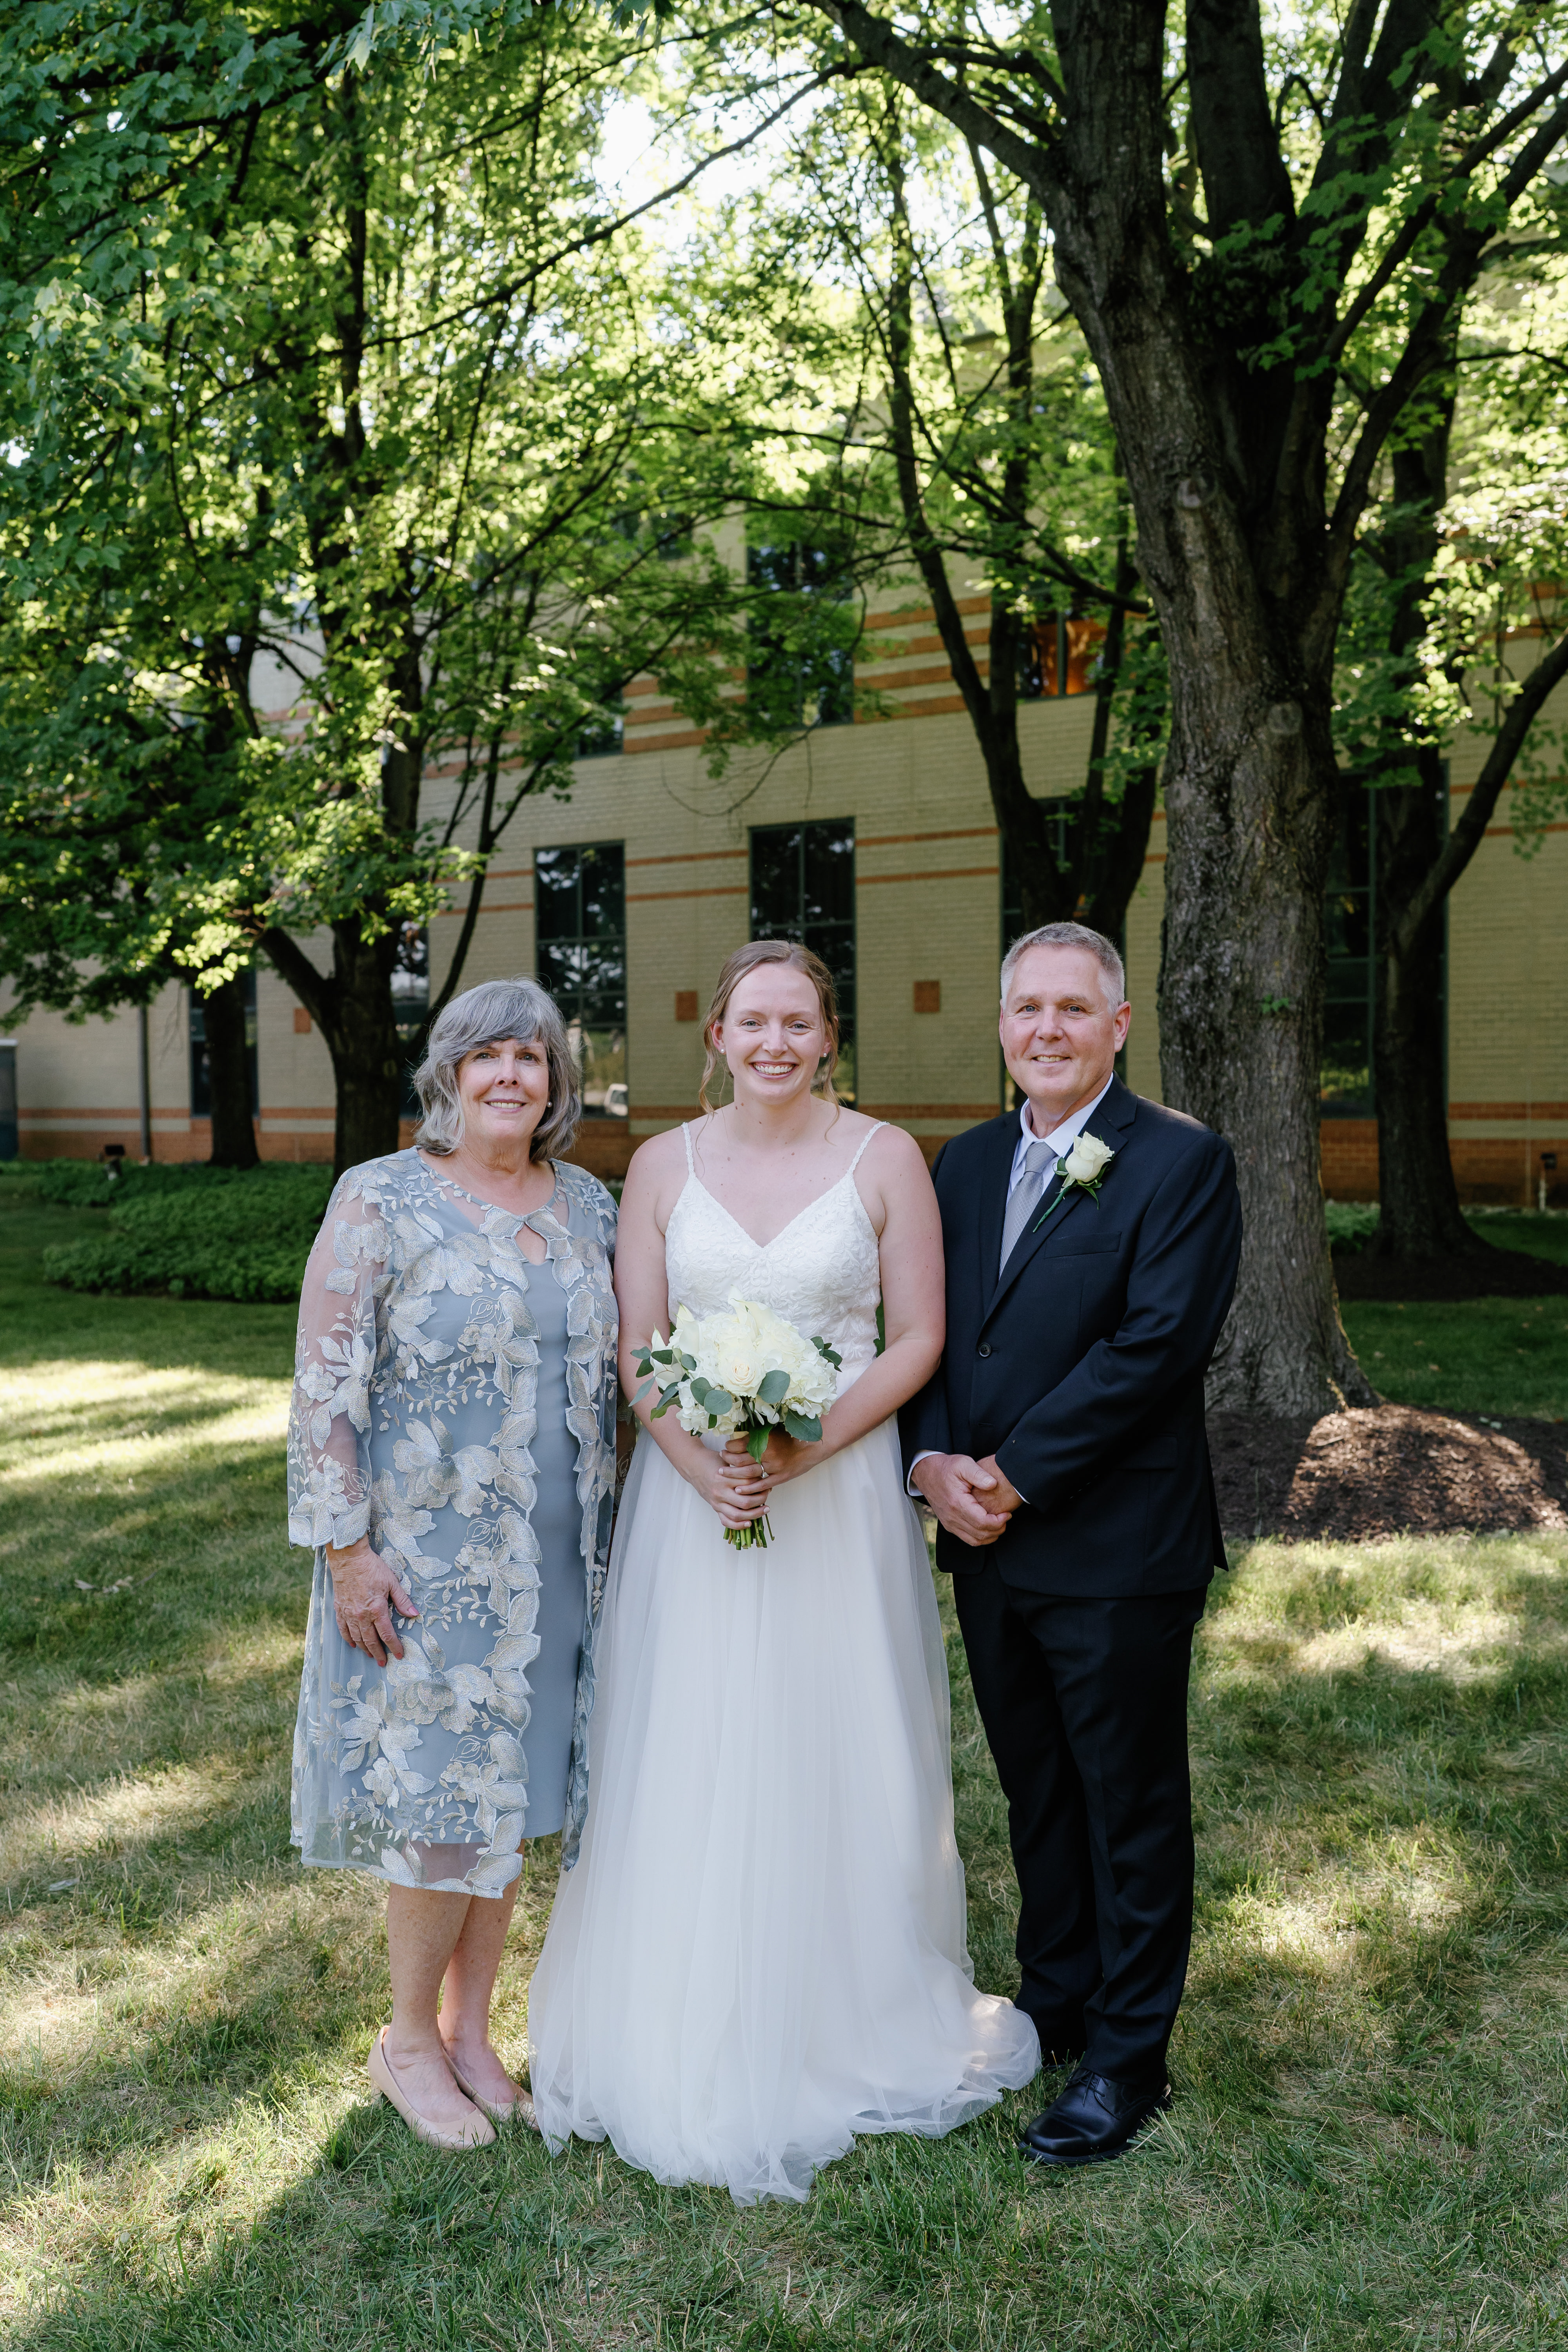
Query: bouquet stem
{"x":755,"y":1538}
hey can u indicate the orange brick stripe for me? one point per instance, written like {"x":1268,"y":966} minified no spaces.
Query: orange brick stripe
{"x":664,"y":742}
{"x":937,"y":675}
{"x":932,"y":874}
{"x":686,"y":857}
{"x":918,"y":613}
{"x":720,"y":890}
{"x":492,"y":907}
{"x":929,"y":1111}
{"x":960,"y":833}
{"x":1507,"y":1110}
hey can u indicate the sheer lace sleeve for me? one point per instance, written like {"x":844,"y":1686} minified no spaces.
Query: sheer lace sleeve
{"x":334,"y":1361}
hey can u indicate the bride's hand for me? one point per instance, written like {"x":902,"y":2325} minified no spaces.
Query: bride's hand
{"x":785,"y":1458}
{"x":731,"y":1483}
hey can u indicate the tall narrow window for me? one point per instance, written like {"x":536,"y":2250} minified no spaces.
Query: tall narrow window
{"x":1350,"y":917}
{"x":579,"y":919}
{"x":411,"y":1006}
{"x":201,"y":1076}
{"x":803,"y":887}
{"x":801,"y":672}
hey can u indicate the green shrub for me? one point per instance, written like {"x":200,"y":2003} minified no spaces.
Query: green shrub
{"x":225,"y":1235}
{"x":1351,"y":1224}
{"x":89,"y":1184}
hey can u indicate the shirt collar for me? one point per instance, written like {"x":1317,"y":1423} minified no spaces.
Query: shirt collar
{"x":1062,"y":1139}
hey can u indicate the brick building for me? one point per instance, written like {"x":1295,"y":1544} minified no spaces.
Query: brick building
{"x":877,"y":840}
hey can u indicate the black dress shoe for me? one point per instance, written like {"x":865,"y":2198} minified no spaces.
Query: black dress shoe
{"x":1094,"y":2120}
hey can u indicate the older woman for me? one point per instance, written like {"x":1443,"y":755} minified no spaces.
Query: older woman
{"x":451,"y":1460}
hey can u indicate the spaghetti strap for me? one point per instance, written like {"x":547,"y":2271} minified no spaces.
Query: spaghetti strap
{"x":685,"y":1138}
{"x":855,"y":1164}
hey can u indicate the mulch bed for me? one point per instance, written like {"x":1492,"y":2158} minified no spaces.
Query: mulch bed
{"x":1492,"y":1274}
{"x":1387,"y":1470}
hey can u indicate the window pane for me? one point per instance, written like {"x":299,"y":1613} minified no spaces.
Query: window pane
{"x":791,"y":680}
{"x":555,"y":892}
{"x":603,"y":891}
{"x":828,"y":880}
{"x":775,"y":882}
{"x":803,"y":887}
{"x":580,"y":959}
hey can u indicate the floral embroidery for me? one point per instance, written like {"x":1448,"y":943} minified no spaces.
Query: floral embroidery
{"x":383,"y":1356}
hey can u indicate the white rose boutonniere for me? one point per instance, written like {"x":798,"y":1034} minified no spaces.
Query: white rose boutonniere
{"x":1083,"y":1171}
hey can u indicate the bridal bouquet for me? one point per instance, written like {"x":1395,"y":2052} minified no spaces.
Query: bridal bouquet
{"x":744,"y":1372}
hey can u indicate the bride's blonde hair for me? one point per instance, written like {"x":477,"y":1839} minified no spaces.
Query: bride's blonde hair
{"x":734,"y":971}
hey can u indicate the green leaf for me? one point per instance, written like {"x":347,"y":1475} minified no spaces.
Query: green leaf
{"x":757,"y":1444}
{"x":718,"y":1401}
{"x":773,"y":1387}
{"x":804,"y":1431}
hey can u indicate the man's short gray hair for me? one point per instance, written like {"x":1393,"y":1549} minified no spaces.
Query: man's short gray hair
{"x":1069,"y":935}
{"x":497,"y":1009}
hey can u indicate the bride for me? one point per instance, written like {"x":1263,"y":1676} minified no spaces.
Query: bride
{"x":761,"y":1951}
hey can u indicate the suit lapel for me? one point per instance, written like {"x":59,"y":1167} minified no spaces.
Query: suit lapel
{"x":1117,"y":1110}
{"x":1000,"y":1148}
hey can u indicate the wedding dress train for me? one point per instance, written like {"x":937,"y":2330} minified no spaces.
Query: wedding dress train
{"x":761,"y":1952}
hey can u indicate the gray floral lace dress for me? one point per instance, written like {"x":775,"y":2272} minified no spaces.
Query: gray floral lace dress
{"x":458,"y":1405}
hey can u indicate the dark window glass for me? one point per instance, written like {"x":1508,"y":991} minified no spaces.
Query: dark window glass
{"x":1057,"y":656}
{"x":1349,"y":916}
{"x":604,"y":734}
{"x":792,"y":681}
{"x":803,"y":887}
{"x":580,"y":922}
{"x":201,"y":1077}
{"x":411,"y":1007}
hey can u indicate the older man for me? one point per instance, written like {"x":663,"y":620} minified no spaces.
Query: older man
{"x":1092,"y":1240}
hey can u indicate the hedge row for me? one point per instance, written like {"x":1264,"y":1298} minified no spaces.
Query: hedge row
{"x":196,"y":1232}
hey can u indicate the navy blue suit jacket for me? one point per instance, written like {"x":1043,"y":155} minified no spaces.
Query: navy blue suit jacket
{"x":1081,"y":1369}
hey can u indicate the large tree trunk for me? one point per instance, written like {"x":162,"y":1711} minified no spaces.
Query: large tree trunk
{"x":1419,"y":1198}
{"x":362,"y":1036}
{"x":1250,"y":775}
{"x":228,"y":1077}
{"x":1241,"y":996}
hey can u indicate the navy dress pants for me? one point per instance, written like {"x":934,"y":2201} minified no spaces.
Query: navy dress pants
{"x":1084,"y":1702}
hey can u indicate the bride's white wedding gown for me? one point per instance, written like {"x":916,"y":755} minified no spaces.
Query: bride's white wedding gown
{"x":760,"y":1951}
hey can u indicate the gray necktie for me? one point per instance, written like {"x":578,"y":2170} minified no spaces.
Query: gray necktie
{"x":1039,"y":1159}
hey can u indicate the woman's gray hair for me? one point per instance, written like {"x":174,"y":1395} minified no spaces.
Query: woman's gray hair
{"x":1069,"y":935}
{"x":483,"y":1017}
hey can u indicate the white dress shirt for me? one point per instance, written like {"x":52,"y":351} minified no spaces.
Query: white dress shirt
{"x":1061,"y":1141}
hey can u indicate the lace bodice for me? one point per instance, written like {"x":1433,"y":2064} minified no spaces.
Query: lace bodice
{"x":821,"y":1273}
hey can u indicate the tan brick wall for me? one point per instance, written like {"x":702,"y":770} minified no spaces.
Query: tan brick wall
{"x":928,"y":900}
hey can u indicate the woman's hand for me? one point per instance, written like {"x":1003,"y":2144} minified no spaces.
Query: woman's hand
{"x":730,"y":1483}
{"x":364,"y":1593}
{"x":785,"y":1457}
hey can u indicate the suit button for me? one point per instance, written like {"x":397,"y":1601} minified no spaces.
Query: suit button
{"x":985,"y":1347}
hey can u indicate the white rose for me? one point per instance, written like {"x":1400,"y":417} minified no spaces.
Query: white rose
{"x":1088,"y":1158}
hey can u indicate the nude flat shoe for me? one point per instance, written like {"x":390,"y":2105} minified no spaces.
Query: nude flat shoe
{"x":518,"y":2110}
{"x":477,"y":2133}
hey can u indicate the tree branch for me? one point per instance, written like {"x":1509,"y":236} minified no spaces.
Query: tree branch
{"x":1469,"y":834}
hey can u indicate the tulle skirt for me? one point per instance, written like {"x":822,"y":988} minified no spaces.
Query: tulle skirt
{"x":761,"y":1950}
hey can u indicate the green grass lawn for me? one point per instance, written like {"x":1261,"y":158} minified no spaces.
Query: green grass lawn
{"x":1494,"y":1356}
{"x":1371,"y":2144}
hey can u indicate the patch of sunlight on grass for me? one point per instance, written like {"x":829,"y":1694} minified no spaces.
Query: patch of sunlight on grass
{"x":126,"y":1811}
{"x":70,"y":1423}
